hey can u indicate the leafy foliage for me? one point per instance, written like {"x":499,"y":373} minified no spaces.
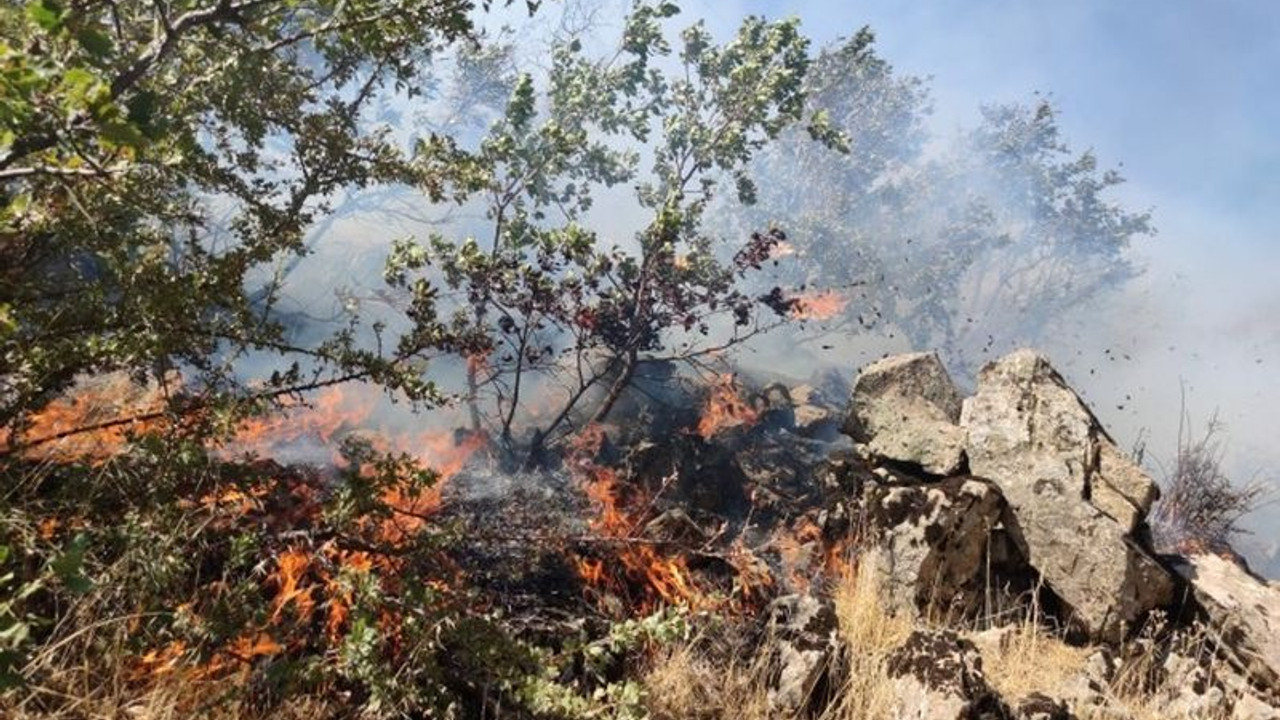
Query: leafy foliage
{"x":157,"y":159}
{"x":547,"y":298}
{"x":162,"y":166}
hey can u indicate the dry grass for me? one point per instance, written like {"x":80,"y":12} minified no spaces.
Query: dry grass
{"x":177,"y":700}
{"x":869,"y":633}
{"x":1028,"y":659}
{"x":687,"y":683}
{"x":85,"y":673}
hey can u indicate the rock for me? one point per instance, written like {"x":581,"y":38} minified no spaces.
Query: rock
{"x":816,"y":421}
{"x":937,"y":675}
{"x":809,"y":395}
{"x":905,"y":409}
{"x":994,"y":640}
{"x":1088,"y":697}
{"x":1249,"y":707}
{"x":802,"y":632}
{"x":1040,"y":707}
{"x":932,"y":542}
{"x":1243,"y":612}
{"x":1076,"y":501}
{"x":1100,"y":665}
{"x":1120,"y":488}
{"x":1189,"y":689}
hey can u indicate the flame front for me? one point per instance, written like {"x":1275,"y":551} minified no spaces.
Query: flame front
{"x":725,"y":408}
{"x":112,"y":407}
{"x":662,"y":579}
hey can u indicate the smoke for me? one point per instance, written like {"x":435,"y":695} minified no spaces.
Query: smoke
{"x":1137,"y":84}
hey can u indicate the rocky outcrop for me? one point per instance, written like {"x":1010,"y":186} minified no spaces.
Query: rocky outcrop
{"x":932,"y":542}
{"x":905,"y":409}
{"x":1243,"y":612}
{"x":1076,"y":500}
{"x":937,"y":675}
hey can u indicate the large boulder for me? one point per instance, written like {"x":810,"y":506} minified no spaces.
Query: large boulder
{"x":932,"y":542}
{"x":905,"y":409}
{"x":937,"y":675}
{"x":1079,"y":505}
{"x":1243,"y":613}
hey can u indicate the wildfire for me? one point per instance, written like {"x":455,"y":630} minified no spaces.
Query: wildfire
{"x":291,"y":566}
{"x":822,"y":305}
{"x":662,"y":579}
{"x":725,"y":408}
{"x":322,"y":420}
{"x":105,"y":405}
{"x":445,"y":455}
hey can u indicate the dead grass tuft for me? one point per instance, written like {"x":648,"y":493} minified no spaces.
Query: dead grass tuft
{"x":869,"y":634}
{"x":1026,"y":659}
{"x":687,"y":682}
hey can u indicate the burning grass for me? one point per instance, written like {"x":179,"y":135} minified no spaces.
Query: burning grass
{"x":721,"y":681}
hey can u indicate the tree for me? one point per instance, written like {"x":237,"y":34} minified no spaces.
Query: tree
{"x":157,"y":159}
{"x":1002,"y":231}
{"x":162,"y":167}
{"x":547,"y":298}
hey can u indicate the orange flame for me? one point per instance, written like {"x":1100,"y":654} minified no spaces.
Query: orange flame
{"x":725,"y":409}
{"x":333,"y":411}
{"x":93,"y":403}
{"x":291,"y":566}
{"x":822,"y":305}
{"x":662,"y":579}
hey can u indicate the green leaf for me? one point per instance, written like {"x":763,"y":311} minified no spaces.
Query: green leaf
{"x":15,"y":634}
{"x":79,"y":84}
{"x":68,"y":566}
{"x":142,"y":110}
{"x":122,"y":134}
{"x":95,"y":42}
{"x":48,"y":14}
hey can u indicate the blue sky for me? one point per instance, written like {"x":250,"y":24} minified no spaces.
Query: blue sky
{"x":1185,"y":94}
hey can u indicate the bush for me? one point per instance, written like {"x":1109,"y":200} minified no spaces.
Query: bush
{"x":1200,"y":509}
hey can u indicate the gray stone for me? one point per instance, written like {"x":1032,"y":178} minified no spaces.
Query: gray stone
{"x":931,"y":542}
{"x":1189,"y":690}
{"x":1243,"y":613}
{"x":905,"y":408}
{"x":1031,"y":436}
{"x":937,"y":675}
{"x":802,"y":634}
